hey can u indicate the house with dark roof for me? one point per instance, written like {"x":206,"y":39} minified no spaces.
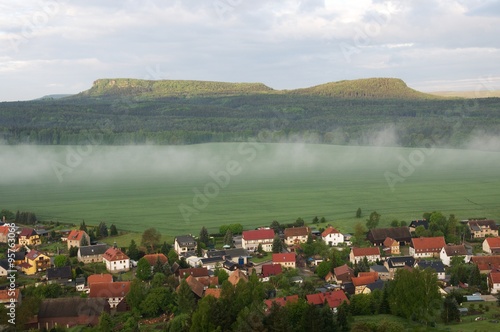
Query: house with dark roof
{"x":29,"y":237}
{"x":426,"y":247}
{"x":4,"y":267}
{"x":185,"y":245}
{"x":415,"y":223}
{"x":296,"y":235}
{"x":377,"y":236}
{"x":250,"y":240}
{"x":61,"y":275}
{"x":35,"y":261}
{"x":332,"y":236}
{"x":372,"y":254}
{"x":70,"y":311}
{"x":237,"y":255}
{"x":343,"y":274}
{"x":116,"y":260}
{"x":400,"y":262}
{"x":77,"y":238}
{"x":435,"y":265}
{"x":113,"y":292}
{"x":482,"y":228}
{"x":382,"y":271}
{"x":449,"y":251}
{"x":491,"y":245}
{"x":269,"y":270}
{"x":91,"y":254}
{"x":333,"y":299}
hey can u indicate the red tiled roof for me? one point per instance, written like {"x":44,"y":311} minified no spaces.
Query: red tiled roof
{"x":296,"y":231}
{"x":329,"y":230}
{"x":215,"y":292}
{"x":33,"y":254}
{"x":194,"y":271}
{"x":4,"y":230}
{"x":97,"y":278}
{"x":260,"y":234}
{"x":281,"y":300}
{"x":195,"y":285}
{"x":370,"y":251}
{"x":284,"y":257}
{"x":495,"y":277}
{"x":428,"y":244}
{"x":388,"y":242}
{"x":362,"y":281}
{"x":76,"y":235}
{"x":344,"y":269}
{"x":236,"y":276}
{"x":334,"y":298}
{"x":5,"y":296}
{"x":372,"y":274}
{"x":153,"y":258}
{"x":109,"y":289}
{"x":209,"y":281}
{"x":493,"y":242}
{"x":114,"y":254}
{"x":27,"y":232}
{"x":271,"y":270}
{"x":485,"y":263}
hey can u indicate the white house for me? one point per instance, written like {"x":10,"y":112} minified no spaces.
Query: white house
{"x":332,"y":237}
{"x":116,"y":260}
{"x":359,"y":254}
{"x":450,"y":251}
{"x":494,"y":282}
{"x":250,"y":240}
{"x":426,"y":247}
{"x":185,"y":245}
{"x":491,"y":245}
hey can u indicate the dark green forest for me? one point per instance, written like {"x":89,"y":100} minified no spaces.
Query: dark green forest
{"x":334,"y":113}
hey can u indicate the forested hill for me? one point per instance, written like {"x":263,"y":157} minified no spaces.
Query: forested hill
{"x":361,"y":112}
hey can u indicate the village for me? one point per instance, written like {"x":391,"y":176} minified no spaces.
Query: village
{"x":322,"y":267}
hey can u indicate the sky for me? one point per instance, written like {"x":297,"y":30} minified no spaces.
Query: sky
{"x":61,"y":47}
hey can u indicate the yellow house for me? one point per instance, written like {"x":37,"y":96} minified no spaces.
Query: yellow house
{"x":29,"y":237}
{"x":34,"y":262}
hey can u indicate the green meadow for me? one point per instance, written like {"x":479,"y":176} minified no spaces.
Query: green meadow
{"x":178,"y":189}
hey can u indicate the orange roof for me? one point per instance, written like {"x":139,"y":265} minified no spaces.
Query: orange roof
{"x":362,"y":281}
{"x":296,"y":231}
{"x":428,"y":244}
{"x":5,"y":296}
{"x":109,"y":289}
{"x":215,"y":292}
{"x":76,"y":235}
{"x":281,"y":300}
{"x":236,"y":276}
{"x":284,"y":257}
{"x":373,"y":274}
{"x":495,"y":277}
{"x":343,"y":269}
{"x":485,"y":263}
{"x":195,"y":285}
{"x":114,"y":254}
{"x":97,"y":278}
{"x":329,"y":230}
{"x":389,"y":242}
{"x":370,"y":251}
{"x":194,"y":271}
{"x":153,"y":258}
{"x":334,"y":298}
{"x":4,"y":230}
{"x":493,"y":242}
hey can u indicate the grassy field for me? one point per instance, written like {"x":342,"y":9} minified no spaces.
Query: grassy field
{"x":137,"y":187}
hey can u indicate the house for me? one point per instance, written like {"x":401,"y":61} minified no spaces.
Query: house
{"x":80,"y":284}
{"x":251,"y":239}
{"x":343,"y":274}
{"x":372,"y":254}
{"x":382,"y":271}
{"x":8,"y":296}
{"x":70,"y":311}
{"x":61,"y":275}
{"x":154,"y":259}
{"x":269,"y":270}
{"x":287,"y":260}
{"x":29,"y":237}
{"x":415,"y":223}
{"x":91,"y":254}
{"x":491,"y":245}
{"x":362,"y":281}
{"x":435,"y":265}
{"x":400,"y":262}
{"x":426,"y":247}
{"x":332,"y":237}
{"x":449,"y":251}
{"x":196,"y":286}
{"x":113,"y":292}
{"x":333,"y":299}
{"x":494,"y":282}
{"x":34,"y":262}
{"x":237,"y":255}
{"x":78,"y":238}
{"x":98,"y":278}
{"x":237,"y":276}
{"x":185,"y":245}
{"x":4,"y":233}
{"x":215,"y":292}
{"x":195,"y":272}
{"x":116,"y":260}
{"x":377,"y":236}
{"x":295,"y":235}
{"x":4,"y":267}
{"x":281,"y":301}
{"x":211,"y":263}
{"x":391,"y":246}
{"x":486,"y":263}
{"x":482,"y":228}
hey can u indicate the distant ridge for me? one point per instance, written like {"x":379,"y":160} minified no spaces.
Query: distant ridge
{"x":369,"y":88}
{"x":468,"y":94}
{"x":56,"y":96}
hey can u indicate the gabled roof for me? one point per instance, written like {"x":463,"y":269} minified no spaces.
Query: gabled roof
{"x":377,"y":284}
{"x":436,"y":265}
{"x":4,"y":230}
{"x":389,"y":242}
{"x":397,"y":233}
{"x":33,"y":254}
{"x":455,"y":250}
{"x":210,"y":281}
{"x":215,"y":292}
{"x":109,"y":289}
{"x":329,"y":230}
{"x":343,"y":270}
{"x":63,"y":272}
{"x":97,"y":278}
{"x":379,"y":269}
{"x":488,"y":223}
{"x":185,"y":240}
{"x":334,"y":299}
{"x":494,"y":277}
{"x":416,"y":223}
{"x":296,"y":231}
{"x":271,"y":270}
{"x":400,"y":261}
{"x":493,"y":242}
{"x":235,"y":252}
{"x":194,"y":272}
{"x":236,"y":276}
{"x":428,"y":244}
{"x":76,"y":235}
{"x":370,"y":251}
{"x":260,"y":234}
{"x":27,"y":232}
{"x":153,"y":258}
{"x":4,"y":263}
{"x":195,"y":285}
{"x":284,"y":258}
{"x":281,"y":300}
{"x":486,"y":262}
{"x":114,"y":254}
{"x":97,"y":249}
{"x":363,"y":281}
{"x":72,"y":307}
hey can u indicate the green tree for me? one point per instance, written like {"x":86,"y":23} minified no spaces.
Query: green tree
{"x":172,"y":257}
{"x":84,"y":241}
{"x":150,"y":237}
{"x":103,"y":229}
{"x":159,"y":279}
{"x":185,"y":298}
{"x":373,"y":220}
{"x":203,"y":318}
{"x":180,"y":323}
{"x":358,"y":213}
{"x":112,"y":230}
{"x":228,"y":238}
{"x":83,"y":227}
{"x":105,"y":323}
{"x":73,"y":251}
{"x":277,"y":244}
{"x":395,"y":223}
{"x":450,"y":312}
{"x":204,"y":238}
{"x":343,"y":317}
{"x":137,"y":293}
{"x":359,"y":234}
{"x":158,"y":301}
{"x":165,"y":248}
{"x":275,"y":226}
{"x":133,"y":252}
{"x":315,"y":220}
{"x":61,"y":260}
{"x":323,"y":268}
{"x":143,"y":271}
